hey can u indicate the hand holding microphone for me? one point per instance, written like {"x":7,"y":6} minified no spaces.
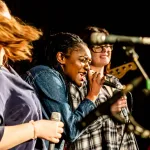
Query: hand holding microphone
{"x":120,"y":106}
{"x":47,"y":129}
{"x":56,"y":116}
{"x":104,"y":108}
{"x":95,"y":82}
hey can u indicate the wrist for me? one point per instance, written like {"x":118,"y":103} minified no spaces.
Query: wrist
{"x":91,"y":97}
{"x":34,"y":129}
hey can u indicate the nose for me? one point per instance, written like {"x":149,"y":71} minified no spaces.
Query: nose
{"x":106,"y":49}
{"x":87,"y":66}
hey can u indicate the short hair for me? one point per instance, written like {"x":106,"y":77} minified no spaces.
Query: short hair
{"x":86,"y":33}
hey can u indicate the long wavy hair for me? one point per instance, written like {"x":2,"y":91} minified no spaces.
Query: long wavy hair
{"x":16,"y":36}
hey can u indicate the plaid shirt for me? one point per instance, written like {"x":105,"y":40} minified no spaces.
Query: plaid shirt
{"x":105,"y":133}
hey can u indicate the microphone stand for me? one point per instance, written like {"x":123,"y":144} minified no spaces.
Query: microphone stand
{"x":130,"y":51}
{"x":133,"y":126}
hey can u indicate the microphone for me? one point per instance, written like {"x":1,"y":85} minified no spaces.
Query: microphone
{"x":55,"y":116}
{"x":123,"y":110}
{"x":104,"y":108}
{"x":100,"y":38}
{"x":125,"y":114}
{"x":113,"y":85}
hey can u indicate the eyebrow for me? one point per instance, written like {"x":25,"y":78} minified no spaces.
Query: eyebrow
{"x":86,"y":57}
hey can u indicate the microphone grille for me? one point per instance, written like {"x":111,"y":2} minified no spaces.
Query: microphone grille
{"x":56,"y":116}
{"x":97,"y":38}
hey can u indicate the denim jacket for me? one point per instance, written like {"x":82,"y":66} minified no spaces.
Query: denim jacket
{"x":52,"y":91}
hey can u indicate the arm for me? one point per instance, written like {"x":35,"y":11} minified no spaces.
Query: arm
{"x":53,"y":95}
{"x":21,"y":133}
{"x":119,"y":108}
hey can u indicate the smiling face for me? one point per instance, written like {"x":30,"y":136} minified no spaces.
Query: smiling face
{"x":77,"y":64}
{"x":101,"y":55}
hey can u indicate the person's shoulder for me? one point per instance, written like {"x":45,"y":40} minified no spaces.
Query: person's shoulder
{"x":4,"y":74}
{"x":41,"y":69}
{"x":2,"y":77}
{"x":114,"y":80}
{"x":111,"y":77}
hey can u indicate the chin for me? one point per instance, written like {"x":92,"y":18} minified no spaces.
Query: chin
{"x":105,"y":63}
{"x":79,"y":84}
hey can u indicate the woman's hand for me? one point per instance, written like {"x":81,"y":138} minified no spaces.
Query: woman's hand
{"x":95,"y":83}
{"x":49,"y":130}
{"x":118,"y":105}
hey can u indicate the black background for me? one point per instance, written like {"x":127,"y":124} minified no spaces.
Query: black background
{"x":121,"y":18}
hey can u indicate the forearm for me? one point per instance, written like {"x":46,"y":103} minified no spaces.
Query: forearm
{"x":70,"y":119}
{"x":14,"y":135}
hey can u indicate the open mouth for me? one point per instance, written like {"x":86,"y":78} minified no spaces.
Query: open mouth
{"x":83,"y":76}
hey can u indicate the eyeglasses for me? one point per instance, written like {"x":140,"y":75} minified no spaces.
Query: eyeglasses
{"x":101,"y":48}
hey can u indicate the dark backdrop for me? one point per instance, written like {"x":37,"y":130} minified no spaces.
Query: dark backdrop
{"x":122,"y":18}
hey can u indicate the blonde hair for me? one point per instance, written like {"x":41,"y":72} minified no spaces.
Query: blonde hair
{"x":3,"y":7}
{"x":16,"y":37}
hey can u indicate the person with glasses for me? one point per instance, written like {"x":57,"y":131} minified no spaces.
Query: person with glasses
{"x":105,"y":133}
{"x":101,"y":48}
{"x":67,"y":60}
